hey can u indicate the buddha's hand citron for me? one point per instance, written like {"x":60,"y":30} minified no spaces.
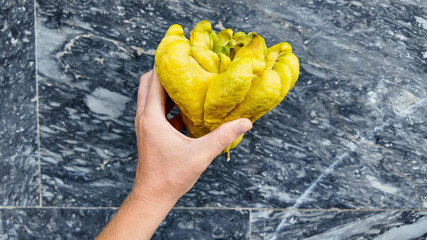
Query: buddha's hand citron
{"x":215,"y":78}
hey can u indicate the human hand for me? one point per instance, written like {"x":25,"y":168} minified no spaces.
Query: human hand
{"x":169,"y":163}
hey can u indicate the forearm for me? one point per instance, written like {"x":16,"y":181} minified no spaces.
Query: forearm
{"x":136,"y":219}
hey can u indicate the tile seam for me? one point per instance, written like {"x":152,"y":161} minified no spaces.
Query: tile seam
{"x":54,"y":207}
{"x":303,"y":209}
{"x":37,"y":105}
{"x":250,"y":224}
{"x":226,"y":208}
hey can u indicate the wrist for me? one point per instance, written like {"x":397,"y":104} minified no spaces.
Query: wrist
{"x":143,"y":198}
{"x":137,"y":218}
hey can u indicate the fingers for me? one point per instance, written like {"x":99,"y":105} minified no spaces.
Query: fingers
{"x":177,"y":122}
{"x":144,"y":86}
{"x":216,"y":141}
{"x":156,"y":97}
{"x":154,"y":100}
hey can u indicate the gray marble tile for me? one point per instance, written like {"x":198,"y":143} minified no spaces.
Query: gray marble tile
{"x":19,"y":179}
{"x":345,"y":137}
{"x":87,"y":223}
{"x":349,"y":135}
{"x":204,"y":224}
{"x":36,"y":223}
{"x":372,"y":177}
{"x":331,"y":225}
{"x":90,"y":68}
{"x":370,"y":69}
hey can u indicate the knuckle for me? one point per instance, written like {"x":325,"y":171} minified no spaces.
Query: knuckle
{"x":224,"y":140}
{"x":143,"y":123}
{"x":136,"y":121}
{"x":141,"y":120}
{"x":143,"y":76}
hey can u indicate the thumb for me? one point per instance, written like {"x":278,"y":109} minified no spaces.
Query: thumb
{"x":213,"y":143}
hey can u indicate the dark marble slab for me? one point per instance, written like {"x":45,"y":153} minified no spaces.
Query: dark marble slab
{"x":204,"y":224}
{"x":345,"y":137}
{"x":381,"y":177}
{"x":57,"y":223}
{"x":369,"y":65}
{"x":349,"y":135}
{"x":88,"y":83}
{"x":39,"y":223}
{"x":332,"y":225}
{"x":19,"y":179}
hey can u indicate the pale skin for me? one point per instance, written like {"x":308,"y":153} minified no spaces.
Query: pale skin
{"x":169,"y":163}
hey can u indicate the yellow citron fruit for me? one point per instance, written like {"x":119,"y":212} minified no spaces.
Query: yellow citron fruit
{"x":216,"y":78}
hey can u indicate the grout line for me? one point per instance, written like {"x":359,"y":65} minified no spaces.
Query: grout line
{"x":210,"y":208}
{"x":37,"y":105}
{"x":234,"y":208}
{"x":88,"y":208}
{"x":53,"y":207}
{"x":250,"y":223}
{"x":302,"y":209}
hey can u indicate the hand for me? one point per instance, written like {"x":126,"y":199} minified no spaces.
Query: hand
{"x":169,"y":163}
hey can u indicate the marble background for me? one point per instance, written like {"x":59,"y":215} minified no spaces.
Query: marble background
{"x":342,"y":157}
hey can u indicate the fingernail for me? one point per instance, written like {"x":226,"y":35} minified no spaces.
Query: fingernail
{"x":242,"y":127}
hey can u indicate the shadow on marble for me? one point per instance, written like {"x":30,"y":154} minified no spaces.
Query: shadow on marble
{"x":19,"y":176}
{"x":339,"y":225}
{"x":361,"y":74}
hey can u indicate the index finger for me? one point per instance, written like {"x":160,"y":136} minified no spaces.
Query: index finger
{"x":156,"y":97}
{"x":144,"y":86}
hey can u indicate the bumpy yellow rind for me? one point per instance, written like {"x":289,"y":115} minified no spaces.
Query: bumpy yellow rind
{"x":216,"y":78}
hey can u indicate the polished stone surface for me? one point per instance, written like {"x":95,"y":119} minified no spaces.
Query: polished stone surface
{"x":350,"y":135}
{"x":52,"y":223}
{"x":19,"y":176}
{"x":359,"y":102}
{"x":89,"y":71}
{"x":57,"y":223}
{"x":390,"y":225}
{"x":204,"y":224}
